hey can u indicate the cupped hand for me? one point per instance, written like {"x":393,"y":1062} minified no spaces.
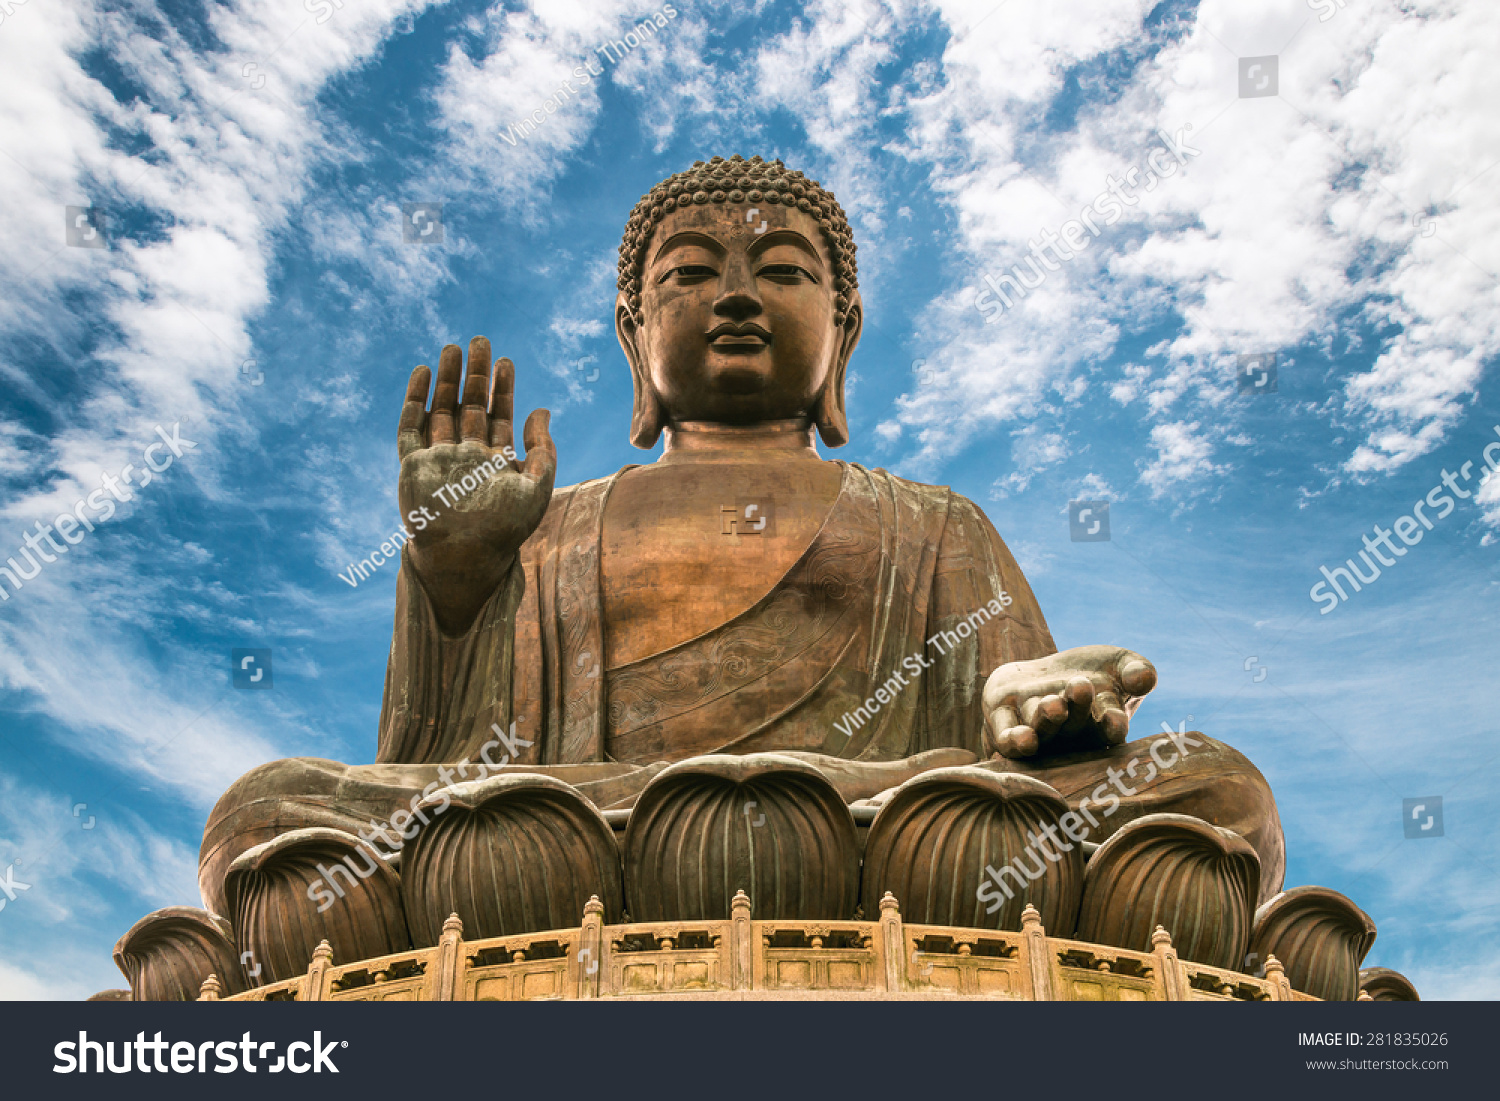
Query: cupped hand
{"x":1066,"y":702}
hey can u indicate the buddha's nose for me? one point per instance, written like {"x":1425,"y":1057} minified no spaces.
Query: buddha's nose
{"x":737,"y":298}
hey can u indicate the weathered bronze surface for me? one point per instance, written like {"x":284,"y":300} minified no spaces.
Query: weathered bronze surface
{"x":937,"y":835}
{"x":1169,"y":870}
{"x":740,"y":595}
{"x":510,"y":854}
{"x":1320,"y":936}
{"x":167,"y":955}
{"x":710,"y":827}
{"x":306,"y":887}
{"x":1384,"y":985}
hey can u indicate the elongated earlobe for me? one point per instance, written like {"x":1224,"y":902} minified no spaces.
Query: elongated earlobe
{"x":646,"y":416}
{"x":829,"y":416}
{"x":833,"y":425}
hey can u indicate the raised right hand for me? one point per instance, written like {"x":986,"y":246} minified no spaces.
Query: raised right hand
{"x":462,"y":543}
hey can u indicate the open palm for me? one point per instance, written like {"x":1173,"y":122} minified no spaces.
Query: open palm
{"x":465,"y":534}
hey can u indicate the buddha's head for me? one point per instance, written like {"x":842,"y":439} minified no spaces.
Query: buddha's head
{"x":738,"y":300}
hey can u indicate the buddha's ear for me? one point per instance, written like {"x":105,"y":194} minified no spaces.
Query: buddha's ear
{"x":833,"y":424}
{"x":646,"y":416}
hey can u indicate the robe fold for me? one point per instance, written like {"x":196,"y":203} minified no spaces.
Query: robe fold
{"x":893,"y":565}
{"x":868,"y":656}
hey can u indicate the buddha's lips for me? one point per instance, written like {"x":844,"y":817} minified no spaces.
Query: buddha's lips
{"x":749,"y":336}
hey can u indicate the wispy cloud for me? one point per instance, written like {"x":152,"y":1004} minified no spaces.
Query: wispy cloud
{"x":253,"y":162}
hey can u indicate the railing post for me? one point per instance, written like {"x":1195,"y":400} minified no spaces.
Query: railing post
{"x":590,"y":949}
{"x":741,"y":943}
{"x":1038,"y":955}
{"x":448,"y":968}
{"x":209,"y":991}
{"x":315,"y":982}
{"x":1281,"y":986}
{"x":1168,"y":969}
{"x":892,"y":943}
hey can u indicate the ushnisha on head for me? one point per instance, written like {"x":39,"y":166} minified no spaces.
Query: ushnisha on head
{"x":738,"y":300}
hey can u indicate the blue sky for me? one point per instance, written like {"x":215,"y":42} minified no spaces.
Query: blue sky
{"x":252,"y":160}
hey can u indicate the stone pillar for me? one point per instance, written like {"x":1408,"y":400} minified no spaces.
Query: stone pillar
{"x":448,"y":964}
{"x":741,"y":943}
{"x":1038,"y":955}
{"x":892,"y":943}
{"x":1168,"y":969}
{"x":209,"y":991}
{"x":590,"y":949}
{"x":1281,"y":986}
{"x":315,"y":982}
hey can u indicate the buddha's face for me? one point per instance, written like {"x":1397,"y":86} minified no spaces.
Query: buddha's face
{"x":738,"y":315}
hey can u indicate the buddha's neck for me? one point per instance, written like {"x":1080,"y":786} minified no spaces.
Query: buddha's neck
{"x":703,"y":441}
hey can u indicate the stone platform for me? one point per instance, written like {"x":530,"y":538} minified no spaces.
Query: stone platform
{"x":1164,"y":909}
{"x":745,"y":959}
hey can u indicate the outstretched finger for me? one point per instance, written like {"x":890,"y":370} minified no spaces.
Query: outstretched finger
{"x":541,"y":453}
{"x":473,"y":420}
{"x":997,"y":722}
{"x":445,"y":398}
{"x":998,"y":685}
{"x":1079,"y":693}
{"x":1044,"y":714}
{"x":1136,"y":675}
{"x":502,"y":412}
{"x":410,"y":432}
{"x":1111,"y":717}
{"x":1019,"y":742}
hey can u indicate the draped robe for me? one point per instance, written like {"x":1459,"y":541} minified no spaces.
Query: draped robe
{"x":893,"y":564}
{"x":899,"y":577}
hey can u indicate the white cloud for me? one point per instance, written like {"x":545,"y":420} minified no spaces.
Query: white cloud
{"x":1487,"y":496}
{"x":1093,"y":486}
{"x":527,"y":56}
{"x":72,"y":867}
{"x":1297,"y":214}
{"x":1129,"y":387}
{"x":54,"y":981}
{"x":1298,"y":211}
{"x":1182,"y":456}
{"x":229,"y":136}
{"x":1034,"y":449}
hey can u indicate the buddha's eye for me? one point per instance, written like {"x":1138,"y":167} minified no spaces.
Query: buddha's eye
{"x":689,"y":273}
{"x":786,"y":273}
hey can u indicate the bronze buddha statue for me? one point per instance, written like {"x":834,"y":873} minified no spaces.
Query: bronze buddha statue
{"x":741,"y":595}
